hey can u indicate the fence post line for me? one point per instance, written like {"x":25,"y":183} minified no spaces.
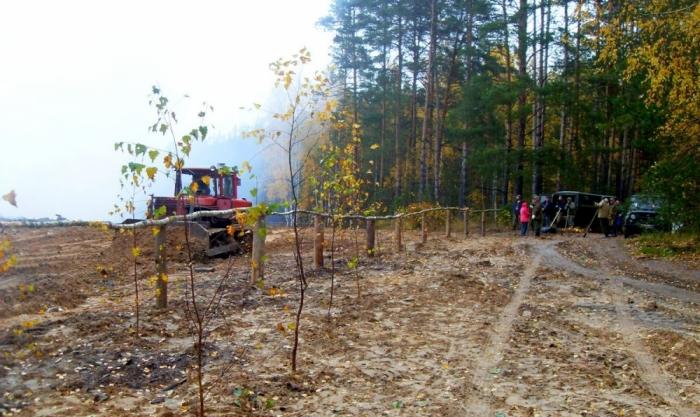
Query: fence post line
{"x":161,"y":269}
{"x":465,"y":216}
{"x":318,"y":241}
{"x":257,"y":271}
{"x":370,"y":237}
{"x":448,"y":225}
{"x":483,"y":223}
{"x":423,"y":229}
{"x":398,"y":226}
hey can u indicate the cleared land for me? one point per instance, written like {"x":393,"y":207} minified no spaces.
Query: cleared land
{"x":561,"y":326}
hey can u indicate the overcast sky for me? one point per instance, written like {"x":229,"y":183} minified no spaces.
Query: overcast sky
{"x":75,"y":75}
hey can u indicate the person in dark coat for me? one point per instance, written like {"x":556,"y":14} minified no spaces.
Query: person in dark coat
{"x":548,"y":211}
{"x":536,"y":215}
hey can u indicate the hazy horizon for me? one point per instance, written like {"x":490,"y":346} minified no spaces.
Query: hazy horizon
{"x":76,"y":79}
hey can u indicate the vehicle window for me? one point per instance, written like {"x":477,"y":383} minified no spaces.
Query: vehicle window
{"x":585,"y":200}
{"x":228,"y":187}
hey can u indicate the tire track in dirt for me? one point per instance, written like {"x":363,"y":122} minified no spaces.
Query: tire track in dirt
{"x":657,"y":380}
{"x":478,"y":404}
{"x":652,"y":374}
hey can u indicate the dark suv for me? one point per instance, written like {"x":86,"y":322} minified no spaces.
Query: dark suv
{"x":642,"y":215}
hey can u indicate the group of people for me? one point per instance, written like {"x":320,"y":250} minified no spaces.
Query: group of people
{"x":610,"y":216}
{"x":542,"y":212}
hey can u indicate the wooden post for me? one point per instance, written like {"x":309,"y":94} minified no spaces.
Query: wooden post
{"x":318,"y":241}
{"x":257,"y":271}
{"x":370,"y":237}
{"x":398,"y":226}
{"x":161,"y":269}
{"x":423,"y":229}
{"x":483,"y":223}
{"x":465,"y":215}
{"x":448,"y":226}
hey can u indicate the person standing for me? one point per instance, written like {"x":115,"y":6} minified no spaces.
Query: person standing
{"x":561,"y":209}
{"x":536,"y":215}
{"x":524,"y":217}
{"x":548,"y":210}
{"x":516,"y":211}
{"x":615,"y":216}
{"x":604,"y":215}
{"x":570,"y":212}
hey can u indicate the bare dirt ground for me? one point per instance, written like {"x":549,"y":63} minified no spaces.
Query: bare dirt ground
{"x":494,"y":326}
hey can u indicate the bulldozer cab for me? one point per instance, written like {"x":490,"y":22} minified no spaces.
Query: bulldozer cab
{"x":220,"y":186}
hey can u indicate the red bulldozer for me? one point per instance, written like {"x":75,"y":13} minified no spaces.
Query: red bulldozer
{"x":208,"y":189}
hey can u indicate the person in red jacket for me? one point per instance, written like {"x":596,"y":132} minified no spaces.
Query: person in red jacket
{"x":524,"y":218}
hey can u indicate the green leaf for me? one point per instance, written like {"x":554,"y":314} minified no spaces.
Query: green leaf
{"x":160,"y":212}
{"x":254,"y":192}
{"x":153,"y":154}
{"x":136,"y":167}
{"x":140,"y":149}
{"x":201,"y":114}
{"x":163,"y":128}
{"x":203,"y":130}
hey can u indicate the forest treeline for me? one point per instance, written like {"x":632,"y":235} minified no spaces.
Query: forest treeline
{"x":469,"y":102}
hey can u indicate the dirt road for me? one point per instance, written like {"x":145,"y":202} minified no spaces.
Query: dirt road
{"x":496,"y":326}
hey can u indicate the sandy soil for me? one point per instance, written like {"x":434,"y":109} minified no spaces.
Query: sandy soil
{"x":499,"y":326}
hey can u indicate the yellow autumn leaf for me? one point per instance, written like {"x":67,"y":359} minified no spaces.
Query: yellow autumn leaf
{"x":168,"y":161}
{"x":194,"y":187}
{"x":151,"y":172}
{"x":374,"y":146}
{"x":136,"y":251}
{"x":206,"y":179}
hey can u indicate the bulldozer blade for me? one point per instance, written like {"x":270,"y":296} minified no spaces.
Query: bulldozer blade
{"x":223,"y":249}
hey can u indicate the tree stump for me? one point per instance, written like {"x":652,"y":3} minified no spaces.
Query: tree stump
{"x":398,"y":229}
{"x":257,"y":262}
{"x":370,"y":238}
{"x":483,"y":223}
{"x":448,"y":225}
{"x":465,"y":215}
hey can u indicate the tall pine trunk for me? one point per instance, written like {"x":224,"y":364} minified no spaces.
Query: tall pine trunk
{"x":522,"y":98}
{"x":563,"y":122}
{"x":428,"y":106}
{"x":397,"y":115}
{"x":509,"y":104}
